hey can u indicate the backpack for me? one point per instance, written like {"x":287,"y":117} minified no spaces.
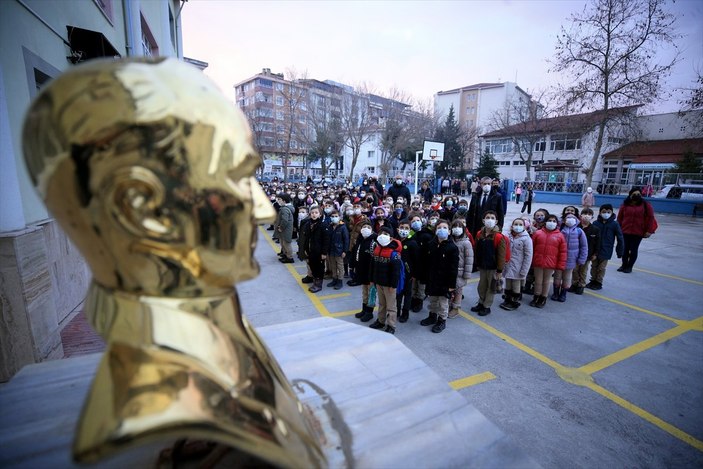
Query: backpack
{"x":496,"y":242}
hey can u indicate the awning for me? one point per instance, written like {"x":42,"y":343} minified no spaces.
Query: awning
{"x":87,"y":44}
{"x":655,"y":166}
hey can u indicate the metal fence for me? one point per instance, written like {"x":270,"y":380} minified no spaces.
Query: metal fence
{"x":651,"y":183}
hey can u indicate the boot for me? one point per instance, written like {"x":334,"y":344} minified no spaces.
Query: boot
{"x":579,"y":290}
{"x":477,"y":308}
{"x":287,"y":260}
{"x":361,"y":313}
{"x":572,"y":289}
{"x":416,"y":305}
{"x":542,"y":301}
{"x":338,"y":285}
{"x":377,"y":325}
{"x":509,"y":304}
{"x":535,"y":301}
{"x":555,"y":293}
{"x":562,"y":295}
{"x":454,"y":312}
{"x":332,"y":283}
{"x":316,"y":285}
{"x":529,"y":288}
{"x":429,"y":320}
{"x":368,"y":315}
{"x":389,"y":329}
{"x":439,"y":326}
{"x":404,"y":315}
{"x":593,"y":285}
{"x":484,"y":312}
{"x":307,"y":279}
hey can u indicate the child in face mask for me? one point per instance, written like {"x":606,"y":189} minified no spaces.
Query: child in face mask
{"x":609,"y":232}
{"x":576,"y":254}
{"x":443,"y":269}
{"x":303,"y":221}
{"x":490,"y":253}
{"x":593,"y":237}
{"x":518,"y":265}
{"x":361,"y":255}
{"x":465,"y":266}
{"x":549,"y":254}
{"x":539,"y":219}
{"x":385,"y":275}
{"x":410,"y":255}
{"x":339,"y":245}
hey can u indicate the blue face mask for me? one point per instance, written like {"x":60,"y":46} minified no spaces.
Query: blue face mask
{"x":450,"y":203}
{"x":442,"y":233}
{"x":416,"y":225}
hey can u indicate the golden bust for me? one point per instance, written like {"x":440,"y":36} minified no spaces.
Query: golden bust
{"x":150,"y":172}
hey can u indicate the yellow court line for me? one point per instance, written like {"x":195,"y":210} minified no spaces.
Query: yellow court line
{"x":634,"y":349}
{"x":653,"y":419}
{"x":347,"y":313}
{"x":333,"y":296}
{"x":636,"y":308}
{"x":517,"y":344}
{"x":472,"y":380}
{"x":311,"y":296}
{"x":687,"y":280}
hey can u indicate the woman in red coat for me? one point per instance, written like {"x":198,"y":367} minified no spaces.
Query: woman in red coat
{"x":549,"y":254}
{"x":636,"y":218}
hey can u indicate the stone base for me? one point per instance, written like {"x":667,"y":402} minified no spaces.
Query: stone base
{"x":376,"y":403}
{"x":43,"y":279}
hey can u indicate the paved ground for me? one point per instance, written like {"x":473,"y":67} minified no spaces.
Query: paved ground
{"x":607,"y":379}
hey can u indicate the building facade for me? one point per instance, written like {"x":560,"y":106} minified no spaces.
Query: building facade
{"x":475,"y":108}
{"x":43,"y":279}
{"x":295,"y":121}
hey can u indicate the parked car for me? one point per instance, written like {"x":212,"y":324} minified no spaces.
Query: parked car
{"x":681,"y":191}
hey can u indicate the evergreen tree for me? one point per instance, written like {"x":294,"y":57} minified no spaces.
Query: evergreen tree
{"x":487,"y":166}
{"x":689,"y":164}
{"x":450,"y":135}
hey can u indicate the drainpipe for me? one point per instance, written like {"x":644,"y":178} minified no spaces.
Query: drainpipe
{"x":127,"y":13}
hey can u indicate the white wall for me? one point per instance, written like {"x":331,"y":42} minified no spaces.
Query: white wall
{"x":443,"y":102}
{"x":672,"y":126}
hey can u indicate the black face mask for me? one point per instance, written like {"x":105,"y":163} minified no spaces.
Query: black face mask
{"x":636,"y":198}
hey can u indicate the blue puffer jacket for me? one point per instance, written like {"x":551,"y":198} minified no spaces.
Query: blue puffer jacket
{"x":576,"y":246}
{"x":609,"y":231}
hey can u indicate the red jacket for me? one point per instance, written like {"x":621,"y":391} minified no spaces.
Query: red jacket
{"x":549,"y":249}
{"x":637,"y":219}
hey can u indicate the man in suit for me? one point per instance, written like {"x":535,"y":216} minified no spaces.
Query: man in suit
{"x":485,"y":198}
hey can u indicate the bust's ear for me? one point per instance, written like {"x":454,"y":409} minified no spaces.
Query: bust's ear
{"x":135,"y":198}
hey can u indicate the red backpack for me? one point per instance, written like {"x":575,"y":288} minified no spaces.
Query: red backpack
{"x":496,"y":243}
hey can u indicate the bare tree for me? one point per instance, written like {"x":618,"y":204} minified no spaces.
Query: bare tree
{"x":609,"y":54}
{"x":394,"y":130}
{"x":293,"y":117}
{"x":356,"y":123}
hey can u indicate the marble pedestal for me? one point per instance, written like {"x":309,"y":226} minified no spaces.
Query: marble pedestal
{"x":377,"y":404}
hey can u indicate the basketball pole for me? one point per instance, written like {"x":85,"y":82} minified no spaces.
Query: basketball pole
{"x":417,"y":157}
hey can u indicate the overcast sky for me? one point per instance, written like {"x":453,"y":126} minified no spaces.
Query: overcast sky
{"x":419,"y":47}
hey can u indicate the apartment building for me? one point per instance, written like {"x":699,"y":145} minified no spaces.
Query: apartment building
{"x":475,"y":107}
{"x":286,"y":116}
{"x":43,"y":279}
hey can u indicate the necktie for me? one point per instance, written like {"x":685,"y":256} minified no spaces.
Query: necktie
{"x":483,"y":202}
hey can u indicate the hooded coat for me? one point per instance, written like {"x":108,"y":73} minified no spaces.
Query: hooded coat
{"x":609,"y":232}
{"x":576,"y":246}
{"x":443,"y":267}
{"x":520,"y":256}
{"x":385,"y":269}
{"x":466,"y":259}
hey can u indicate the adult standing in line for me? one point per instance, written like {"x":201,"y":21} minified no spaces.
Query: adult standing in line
{"x":529,"y":197}
{"x":498,"y":187}
{"x":636,"y":218}
{"x":398,"y":189}
{"x":285,"y":227}
{"x":518,"y":193}
{"x":482,"y":200}
{"x":426,"y":192}
{"x":588,"y":199}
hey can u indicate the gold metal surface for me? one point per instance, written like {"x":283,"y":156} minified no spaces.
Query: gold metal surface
{"x":150,"y":172}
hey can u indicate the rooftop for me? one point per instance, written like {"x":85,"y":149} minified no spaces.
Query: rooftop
{"x":657,"y":151}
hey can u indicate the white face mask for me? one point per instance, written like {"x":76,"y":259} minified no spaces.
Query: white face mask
{"x":398,"y":181}
{"x":302,"y":216}
{"x":457,"y":231}
{"x":486,"y":188}
{"x":403,"y":233}
{"x":366,"y":232}
{"x":357,"y":211}
{"x":518,"y":228}
{"x":605,"y":215}
{"x":489,"y":223}
{"x":432,"y":222}
{"x":383,"y":239}
{"x":571,"y":222}
{"x":586,"y":218}
{"x":301,"y":196}
{"x":550,"y":225}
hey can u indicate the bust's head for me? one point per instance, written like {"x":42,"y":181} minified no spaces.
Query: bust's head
{"x":150,"y":171}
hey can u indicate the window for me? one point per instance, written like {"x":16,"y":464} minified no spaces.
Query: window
{"x":280,"y":129}
{"x":264,"y":83}
{"x":541,"y":145}
{"x":149,"y":46}
{"x":301,"y":118}
{"x":683,"y":128}
{"x":294,"y":144}
{"x":266,"y":126}
{"x":263,"y":112}
{"x":499,"y":146}
{"x":279,"y":86}
{"x":616,"y":140}
{"x":106,"y":7}
{"x":303,"y":107}
{"x":268,"y":141}
{"x":280,"y":143}
{"x":279,"y":115}
{"x":279,"y":100}
{"x":518,"y":163}
{"x":372,"y":154}
{"x":565,"y":143}
{"x":661,"y":130}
